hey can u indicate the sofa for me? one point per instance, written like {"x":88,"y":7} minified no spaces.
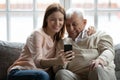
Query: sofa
{"x":10,"y":51}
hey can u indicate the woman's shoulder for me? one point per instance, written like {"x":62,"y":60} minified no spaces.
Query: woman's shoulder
{"x":38,"y":32}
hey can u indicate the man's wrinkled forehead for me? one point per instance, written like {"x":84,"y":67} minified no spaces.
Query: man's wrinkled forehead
{"x":73,"y":18}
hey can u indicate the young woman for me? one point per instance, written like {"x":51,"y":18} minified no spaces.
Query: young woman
{"x":38,"y":53}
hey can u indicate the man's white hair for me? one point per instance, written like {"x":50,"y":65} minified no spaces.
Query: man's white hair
{"x":78,"y":11}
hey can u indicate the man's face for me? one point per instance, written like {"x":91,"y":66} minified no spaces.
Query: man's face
{"x":75,"y":25}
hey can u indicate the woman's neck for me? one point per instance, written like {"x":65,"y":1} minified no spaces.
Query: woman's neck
{"x":51,"y":34}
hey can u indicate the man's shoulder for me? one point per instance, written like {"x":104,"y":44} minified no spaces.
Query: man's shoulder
{"x":101,"y":33}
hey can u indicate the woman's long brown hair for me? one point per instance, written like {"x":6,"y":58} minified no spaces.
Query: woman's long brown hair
{"x":51,"y":9}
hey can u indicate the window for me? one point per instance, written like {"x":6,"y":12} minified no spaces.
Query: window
{"x":103,"y":14}
{"x":3,"y":20}
{"x":18,"y":18}
{"x":3,"y":26}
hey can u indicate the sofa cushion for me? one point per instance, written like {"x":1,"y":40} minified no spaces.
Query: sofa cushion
{"x":9,"y":52}
{"x":117,"y":57}
{"x":118,"y":75}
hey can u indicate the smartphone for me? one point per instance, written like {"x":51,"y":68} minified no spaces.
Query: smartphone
{"x":67,"y":47}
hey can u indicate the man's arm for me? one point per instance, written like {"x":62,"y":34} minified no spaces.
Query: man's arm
{"x":106,"y":50}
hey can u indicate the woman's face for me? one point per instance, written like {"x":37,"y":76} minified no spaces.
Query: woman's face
{"x":55,"y":22}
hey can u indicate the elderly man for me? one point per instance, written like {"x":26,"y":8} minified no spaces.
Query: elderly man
{"x":94,"y":54}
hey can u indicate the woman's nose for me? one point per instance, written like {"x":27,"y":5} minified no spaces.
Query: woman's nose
{"x":57,"y":22}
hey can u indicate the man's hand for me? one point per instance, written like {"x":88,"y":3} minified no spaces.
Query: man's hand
{"x":96,"y":63}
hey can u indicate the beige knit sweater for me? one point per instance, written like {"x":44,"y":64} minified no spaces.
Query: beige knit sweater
{"x":98,"y":45}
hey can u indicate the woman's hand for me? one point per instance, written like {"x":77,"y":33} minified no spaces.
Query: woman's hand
{"x":91,"y":30}
{"x":65,"y":57}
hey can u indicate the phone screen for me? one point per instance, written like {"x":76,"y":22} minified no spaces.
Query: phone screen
{"x":67,"y":47}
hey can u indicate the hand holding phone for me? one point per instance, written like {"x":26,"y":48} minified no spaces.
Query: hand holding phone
{"x":67,"y":47}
